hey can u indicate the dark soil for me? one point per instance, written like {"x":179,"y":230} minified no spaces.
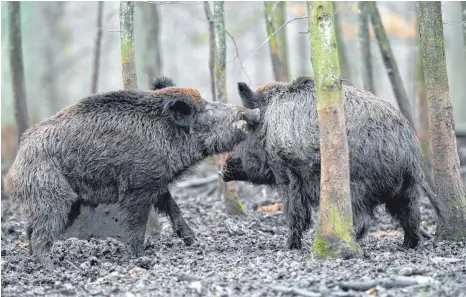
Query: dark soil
{"x":233,"y":256}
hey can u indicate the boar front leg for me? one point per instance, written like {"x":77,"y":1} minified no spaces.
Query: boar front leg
{"x":166,"y":204}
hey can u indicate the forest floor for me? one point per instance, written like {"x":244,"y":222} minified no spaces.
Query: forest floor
{"x":233,"y":256}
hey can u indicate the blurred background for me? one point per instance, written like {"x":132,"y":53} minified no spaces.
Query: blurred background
{"x":172,"y":38}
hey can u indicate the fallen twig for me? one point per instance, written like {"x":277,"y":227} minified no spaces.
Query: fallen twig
{"x":388,"y":283}
{"x":297,"y":291}
{"x":196,"y":182}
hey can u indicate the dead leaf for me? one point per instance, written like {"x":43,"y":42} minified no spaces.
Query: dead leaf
{"x":272,"y":208}
{"x":385,"y":233}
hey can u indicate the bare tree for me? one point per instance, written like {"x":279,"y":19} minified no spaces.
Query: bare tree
{"x":450,"y":189}
{"x":127,"y":45}
{"x":210,"y":20}
{"x":277,"y":63}
{"x":390,"y":63}
{"x":54,"y":32}
{"x":343,"y":58}
{"x":334,"y":234}
{"x":98,"y":44}
{"x":365,"y":47}
{"x":17,"y":69}
{"x":463,"y":8}
{"x":230,"y":194}
{"x":153,"y":50}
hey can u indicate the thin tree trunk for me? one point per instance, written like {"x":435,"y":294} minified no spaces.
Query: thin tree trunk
{"x":343,"y":58}
{"x":450,"y":189}
{"x":98,"y":44}
{"x":153,"y":51}
{"x":365,"y":47}
{"x":17,"y":69}
{"x":277,"y":64}
{"x":463,"y":8}
{"x":279,"y":18}
{"x":390,"y":64}
{"x":210,"y":20}
{"x":127,"y":45}
{"x":334,"y":234}
{"x":233,"y":204}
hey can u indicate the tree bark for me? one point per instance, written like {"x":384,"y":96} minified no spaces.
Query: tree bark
{"x":98,"y":43}
{"x":450,"y":189}
{"x":127,"y":45}
{"x":365,"y":47}
{"x":279,"y":18}
{"x":334,"y":234}
{"x":153,"y":51}
{"x":17,"y":69}
{"x":233,"y":204}
{"x":343,"y":58}
{"x":277,"y":63}
{"x":210,"y":20}
{"x":423,"y":115}
{"x":390,"y":63}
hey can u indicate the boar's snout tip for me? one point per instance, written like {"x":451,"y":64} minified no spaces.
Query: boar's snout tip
{"x":252,"y":116}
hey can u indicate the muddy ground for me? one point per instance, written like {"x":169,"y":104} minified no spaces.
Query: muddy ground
{"x":233,"y":256}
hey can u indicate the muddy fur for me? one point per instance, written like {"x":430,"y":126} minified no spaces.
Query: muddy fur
{"x":124,"y":147}
{"x":283,"y":151}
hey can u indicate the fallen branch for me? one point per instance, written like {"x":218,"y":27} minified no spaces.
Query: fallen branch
{"x":197,"y":182}
{"x":388,"y":283}
{"x":268,"y":38}
{"x":296,"y":291}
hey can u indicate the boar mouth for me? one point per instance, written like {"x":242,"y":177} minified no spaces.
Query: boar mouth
{"x":240,"y":125}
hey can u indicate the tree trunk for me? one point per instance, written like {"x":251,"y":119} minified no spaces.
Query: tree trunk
{"x":365,"y":47}
{"x":17,"y":69}
{"x":334,"y":234}
{"x":277,"y":64}
{"x":423,"y":116}
{"x":279,"y":18}
{"x":450,"y":189}
{"x":343,"y":58}
{"x":210,"y":20}
{"x":127,"y":45}
{"x":153,"y":50}
{"x":98,"y":43}
{"x":463,"y":8}
{"x":390,"y":64}
{"x":233,"y":204}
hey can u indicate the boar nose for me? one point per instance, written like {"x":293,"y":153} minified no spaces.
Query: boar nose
{"x":251,"y":116}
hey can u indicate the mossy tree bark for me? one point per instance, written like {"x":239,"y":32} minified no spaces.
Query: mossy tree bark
{"x":17,"y":68}
{"x":450,"y":189}
{"x":229,"y":192}
{"x":334,"y":235}
{"x":279,"y":18}
{"x":98,"y":45}
{"x":365,"y":47}
{"x":423,"y":115}
{"x":390,"y":63}
{"x":152,"y":51}
{"x":128,"y":62}
{"x":210,"y":20}
{"x":343,"y":58}
{"x":274,"y":41}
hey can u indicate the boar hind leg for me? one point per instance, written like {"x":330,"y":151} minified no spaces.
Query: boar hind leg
{"x":134,"y":208}
{"x":166,"y":204}
{"x":405,"y":209}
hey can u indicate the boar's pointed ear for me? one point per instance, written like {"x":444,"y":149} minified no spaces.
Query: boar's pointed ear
{"x":181,"y":111}
{"x":248,"y":96}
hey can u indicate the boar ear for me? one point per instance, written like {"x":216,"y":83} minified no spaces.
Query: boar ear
{"x":248,"y":96}
{"x":181,"y":111}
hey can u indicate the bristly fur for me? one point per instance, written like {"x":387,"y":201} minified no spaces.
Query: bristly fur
{"x":162,"y":82}
{"x":283,"y":151}
{"x":124,"y":147}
